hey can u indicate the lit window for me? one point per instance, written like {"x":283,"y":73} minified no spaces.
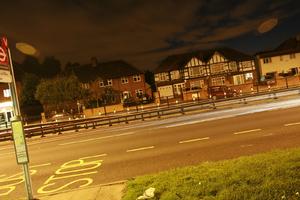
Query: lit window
{"x":109,"y":82}
{"x":124,"y":80}
{"x":248,"y":76}
{"x":7,"y":93}
{"x":136,"y":78}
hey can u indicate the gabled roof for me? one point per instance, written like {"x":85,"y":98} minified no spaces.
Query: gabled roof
{"x":116,"y":69}
{"x":291,"y":45}
{"x":233,"y":55}
{"x":107,"y":70}
{"x":178,"y":61}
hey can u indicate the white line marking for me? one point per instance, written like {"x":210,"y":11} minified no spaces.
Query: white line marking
{"x":246,"y":145}
{"x":140,"y":149}
{"x":248,"y":131}
{"x":41,"y":165}
{"x":98,"y":138}
{"x":194,"y":140}
{"x":292,"y":124}
{"x":96,"y":156}
{"x":269,"y":134}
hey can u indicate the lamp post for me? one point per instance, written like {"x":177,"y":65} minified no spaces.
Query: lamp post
{"x":18,"y":130}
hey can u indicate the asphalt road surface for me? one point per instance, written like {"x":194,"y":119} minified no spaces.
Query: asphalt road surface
{"x":107,"y":154}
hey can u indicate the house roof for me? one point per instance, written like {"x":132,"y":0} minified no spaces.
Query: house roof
{"x":291,"y":45}
{"x":175,"y":62}
{"x":107,"y":70}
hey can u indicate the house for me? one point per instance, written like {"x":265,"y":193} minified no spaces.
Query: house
{"x":281,"y":62}
{"x":113,"y":82}
{"x":192,"y":75}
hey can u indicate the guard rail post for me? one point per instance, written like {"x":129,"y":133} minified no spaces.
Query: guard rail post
{"x":42,"y":130}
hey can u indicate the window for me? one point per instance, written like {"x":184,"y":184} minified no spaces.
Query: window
{"x":267,"y":60}
{"x":218,"y":68}
{"x":292,"y":56}
{"x":162,"y":76}
{"x":248,"y":76}
{"x":101,"y":83}
{"x":6,"y":93}
{"x":136,"y":78}
{"x":139,"y":93}
{"x":85,"y":85}
{"x":109,"y":82}
{"x":218,"y":81}
{"x":126,"y":94}
{"x":197,"y":84}
{"x":238,"y":79}
{"x":124,"y":80}
{"x":175,"y":75}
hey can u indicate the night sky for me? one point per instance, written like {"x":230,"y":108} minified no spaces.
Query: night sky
{"x":143,"y":32}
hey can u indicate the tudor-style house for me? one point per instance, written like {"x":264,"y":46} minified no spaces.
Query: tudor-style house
{"x":192,"y":75}
{"x":113,"y":82}
{"x":283,"y":61}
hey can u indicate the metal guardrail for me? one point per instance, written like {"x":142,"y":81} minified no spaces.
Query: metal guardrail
{"x":43,"y":129}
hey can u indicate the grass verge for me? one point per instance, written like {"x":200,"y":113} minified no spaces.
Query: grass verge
{"x":268,"y":176}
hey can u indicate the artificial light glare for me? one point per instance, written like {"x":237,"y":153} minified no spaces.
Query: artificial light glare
{"x":26,"y":48}
{"x":267,"y":25}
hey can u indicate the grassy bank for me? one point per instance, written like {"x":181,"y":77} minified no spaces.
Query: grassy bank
{"x":268,"y":176}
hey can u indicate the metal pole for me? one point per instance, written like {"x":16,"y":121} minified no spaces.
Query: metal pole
{"x":17,"y":113}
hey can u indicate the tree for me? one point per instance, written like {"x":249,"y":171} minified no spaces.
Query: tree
{"x":31,"y":65}
{"x":149,"y":78}
{"x":30,"y":107}
{"x":50,"y":67}
{"x":61,"y":93}
{"x":29,"y":85}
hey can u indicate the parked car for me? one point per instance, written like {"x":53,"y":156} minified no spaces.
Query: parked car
{"x":60,"y":117}
{"x":221,"y":92}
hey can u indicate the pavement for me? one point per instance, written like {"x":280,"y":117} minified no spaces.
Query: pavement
{"x":103,"y":192}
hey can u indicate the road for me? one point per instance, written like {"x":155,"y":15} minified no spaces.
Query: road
{"x":107,"y":154}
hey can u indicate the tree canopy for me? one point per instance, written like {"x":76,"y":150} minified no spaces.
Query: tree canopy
{"x":60,"y":93}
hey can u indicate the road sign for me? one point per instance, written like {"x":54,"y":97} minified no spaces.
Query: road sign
{"x":5,"y":74}
{"x":19,"y":141}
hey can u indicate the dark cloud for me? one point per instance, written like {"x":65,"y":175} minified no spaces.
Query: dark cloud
{"x":140,"y":31}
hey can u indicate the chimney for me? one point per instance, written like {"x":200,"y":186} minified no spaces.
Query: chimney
{"x":94,"y":61}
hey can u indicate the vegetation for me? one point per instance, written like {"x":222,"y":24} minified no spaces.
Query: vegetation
{"x":61,"y":93}
{"x":266,"y":176}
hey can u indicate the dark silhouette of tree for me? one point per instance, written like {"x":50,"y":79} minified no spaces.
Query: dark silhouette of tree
{"x":50,"y":67}
{"x":31,"y":65}
{"x":149,"y":78}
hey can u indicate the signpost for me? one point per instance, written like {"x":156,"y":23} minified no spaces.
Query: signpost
{"x":7,"y":76}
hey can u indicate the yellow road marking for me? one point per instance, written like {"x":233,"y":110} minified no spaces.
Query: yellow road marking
{"x":292,"y":124}
{"x":41,"y":165}
{"x":248,"y":131}
{"x":194,"y":140}
{"x":98,"y":138}
{"x":140,"y":149}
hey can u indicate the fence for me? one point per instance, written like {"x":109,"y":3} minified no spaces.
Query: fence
{"x":142,"y":113}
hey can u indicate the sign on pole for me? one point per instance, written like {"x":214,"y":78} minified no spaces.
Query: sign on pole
{"x":19,"y":141}
{"x":5,"y":75}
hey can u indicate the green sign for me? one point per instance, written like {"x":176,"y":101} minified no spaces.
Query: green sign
{"x":19,"y":142}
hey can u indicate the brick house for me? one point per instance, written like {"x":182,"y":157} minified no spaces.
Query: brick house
{"x":283,"y":62}
{"x":113,"y":82}
{"x":191,"y":75}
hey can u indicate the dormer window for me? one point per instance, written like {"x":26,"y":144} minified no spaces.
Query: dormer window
{"x":267,"y":60}
{"x":124,"y":80}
